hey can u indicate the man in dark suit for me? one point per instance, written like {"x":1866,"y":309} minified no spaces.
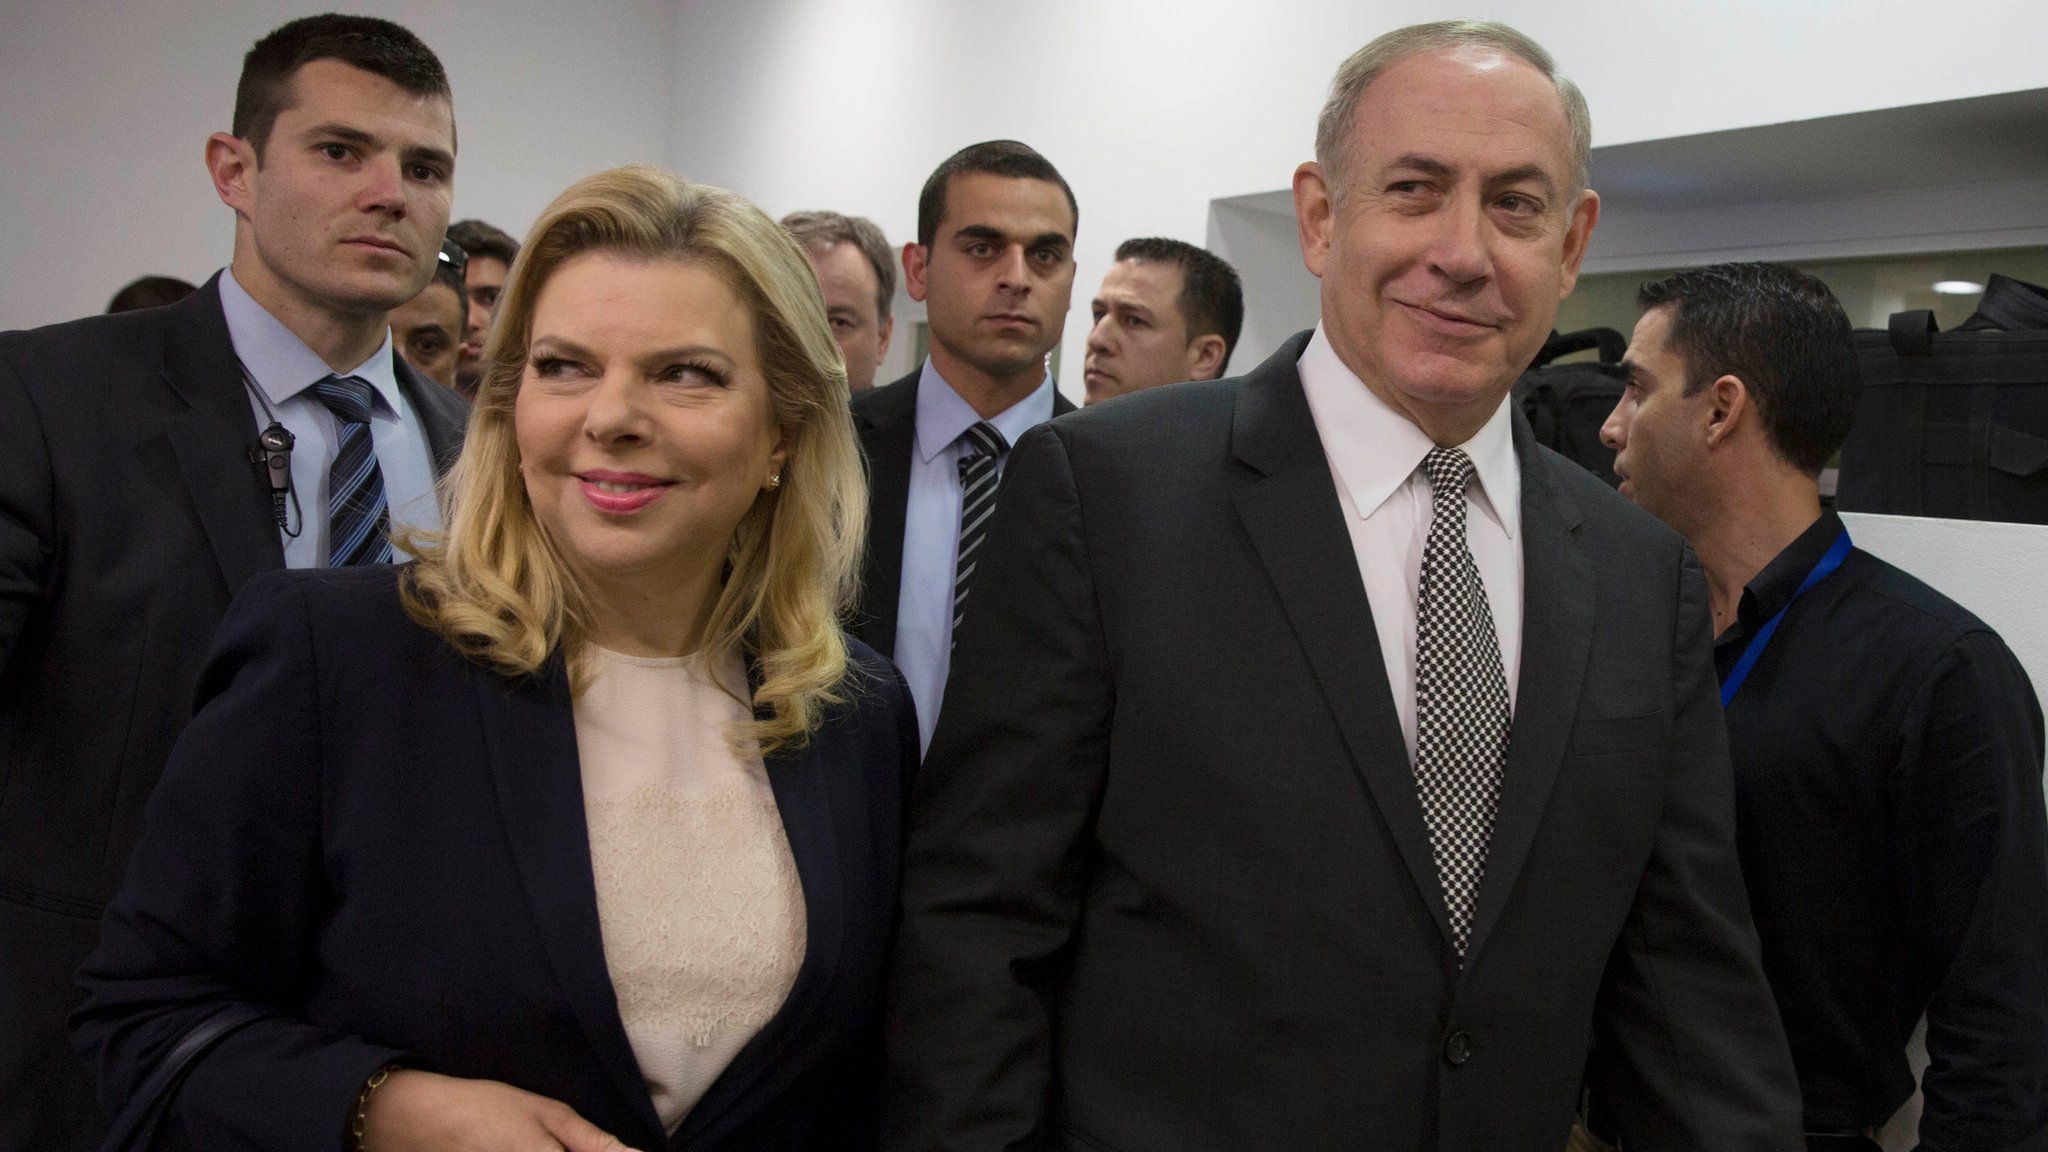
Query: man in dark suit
{"x":136,"y":499}
{"x":1329,"y":766}
{"x":994,"y":266}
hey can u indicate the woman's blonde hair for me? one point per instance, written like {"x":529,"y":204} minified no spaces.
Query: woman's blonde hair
{"x":499,"y":591}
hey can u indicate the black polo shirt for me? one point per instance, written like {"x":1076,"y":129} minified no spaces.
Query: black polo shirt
{"x":1888,"y":760}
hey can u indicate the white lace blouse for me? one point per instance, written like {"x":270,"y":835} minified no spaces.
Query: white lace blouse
{"x":697,"y":893}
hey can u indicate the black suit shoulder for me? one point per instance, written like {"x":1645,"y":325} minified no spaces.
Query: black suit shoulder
{"x":893,"y":401}
{"x":1147,"y":436}
{"x":93,"y":341}
{"x":69,"y":369}
{"x":1602,"y":505}
{"x":362,"y":641}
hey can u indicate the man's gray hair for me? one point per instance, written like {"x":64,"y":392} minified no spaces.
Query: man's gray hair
{"x":826,"y":229}
{"x":1364,"y":66}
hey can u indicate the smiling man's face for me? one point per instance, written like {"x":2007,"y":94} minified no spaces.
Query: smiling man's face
{"x":1455,"y":235}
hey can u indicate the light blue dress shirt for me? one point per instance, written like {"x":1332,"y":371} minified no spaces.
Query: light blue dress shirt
{"x":931,"y":533}
{"x":285,"y":371}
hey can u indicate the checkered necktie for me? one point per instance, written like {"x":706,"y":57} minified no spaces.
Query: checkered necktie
{"x":978,"y":482}
{"x":1461,"y":697}
{"x":358,"y":523}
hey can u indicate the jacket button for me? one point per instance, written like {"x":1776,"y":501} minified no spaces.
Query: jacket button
{"x":1457,"y":1049}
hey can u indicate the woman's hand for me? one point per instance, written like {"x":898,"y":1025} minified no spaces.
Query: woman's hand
{"x":416,"y":1111}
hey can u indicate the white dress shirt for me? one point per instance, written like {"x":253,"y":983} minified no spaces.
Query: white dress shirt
{"x":1375,"y":456}
{"x":285,"y":371}
{"x":931,"y":533}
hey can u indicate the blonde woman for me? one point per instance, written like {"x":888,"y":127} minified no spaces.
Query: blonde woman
{"x":582,"y":831}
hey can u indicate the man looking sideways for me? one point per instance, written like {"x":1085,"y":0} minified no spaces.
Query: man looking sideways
{"x":1887,"y":746}
{"x":1167,"y":311}
{"x":857,"y":272}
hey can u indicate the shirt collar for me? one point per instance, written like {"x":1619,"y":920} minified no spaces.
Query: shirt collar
{"x":280,"y":362}
{"x":1375,"y":449}
{"x":942,"y":415}
{"x":1771,"y":589}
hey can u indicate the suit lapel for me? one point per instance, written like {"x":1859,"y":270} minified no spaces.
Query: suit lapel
{"x":1557,"y":638}
{"x":802,"y":783}
{"x":212,"y":438}
{"x":530,"y":737}
{"x":887,"y":422}
{"x":1296,"y":525}
{"x":442,"y":414}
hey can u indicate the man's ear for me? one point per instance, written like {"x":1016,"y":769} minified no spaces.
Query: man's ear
{"x":1729,"y":405}
{"x":1313,"y":208}
{"x":914,"y":258}
{"x":1205,"y":357}
{"x":887,"y":328}
{"x":1578,"y":231}
{"x":231,"y":162}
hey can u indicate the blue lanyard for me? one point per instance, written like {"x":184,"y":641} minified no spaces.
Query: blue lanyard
{"x":1836,"y":553}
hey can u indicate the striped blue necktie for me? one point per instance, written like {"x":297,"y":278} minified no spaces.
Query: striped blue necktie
{"x":979,"y":478}
{"x":358,"y":520}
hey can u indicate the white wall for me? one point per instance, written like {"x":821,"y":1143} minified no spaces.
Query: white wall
{"x":1152,"y":108}
{"x":107,"y":107}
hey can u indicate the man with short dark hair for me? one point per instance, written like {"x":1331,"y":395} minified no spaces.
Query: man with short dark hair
{"x":427,"y":329}
{"x":1327,"y":765}
{"x":156,"y":460}
{"x":491,"y":252}
{"x":994,"y":266}
{"x":1167,"y":311}
{"x":857,"y":272}
{"x":1887,"y":746}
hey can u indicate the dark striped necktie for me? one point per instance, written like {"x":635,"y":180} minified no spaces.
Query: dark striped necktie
{"x":979,"y":478}
{"x":358,"y":520}
{"x":1461,"y":697}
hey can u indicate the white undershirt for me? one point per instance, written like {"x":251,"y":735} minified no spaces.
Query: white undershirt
{"x":698,"y":897}
{"x":1375,"y":456}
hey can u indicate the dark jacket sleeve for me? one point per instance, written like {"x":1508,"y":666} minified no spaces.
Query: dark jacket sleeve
{"x":1974,"y":889}
{"x":26,"y":493}
{"x":1000,"y":823}
{"x":223,"y":902}
{"x":1692,"y":1055}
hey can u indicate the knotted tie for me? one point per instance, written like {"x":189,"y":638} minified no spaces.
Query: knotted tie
{"x":358,"y":522}
{"x":978,"y":481}
{"x":1461,"y":697}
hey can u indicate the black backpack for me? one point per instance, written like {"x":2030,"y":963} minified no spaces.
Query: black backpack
{"x":1567,"y":403}
{"x":1954,"y":424}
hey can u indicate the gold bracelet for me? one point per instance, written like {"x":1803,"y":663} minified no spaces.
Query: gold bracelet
{"x":356,"y":1124}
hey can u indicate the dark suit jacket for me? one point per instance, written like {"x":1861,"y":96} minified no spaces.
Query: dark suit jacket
{"x":384,"y":843}
{"x":886,"y":419}
{"x":129,"y":515}
{"x":1169,"y":884}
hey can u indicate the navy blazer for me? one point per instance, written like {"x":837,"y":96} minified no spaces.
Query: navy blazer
{"x":382,"y":843}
